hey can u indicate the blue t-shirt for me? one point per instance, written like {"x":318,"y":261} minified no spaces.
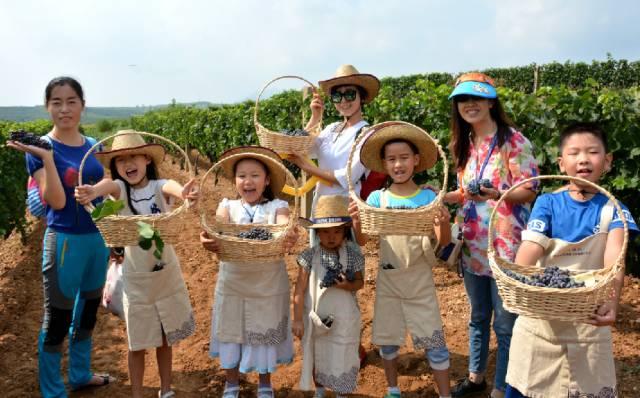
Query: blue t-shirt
{"x":421,"y":197}
{"x":72,"y":218}
{"x":558,"y":216}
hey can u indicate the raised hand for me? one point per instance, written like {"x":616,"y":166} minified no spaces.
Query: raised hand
{"x":85,"y":194}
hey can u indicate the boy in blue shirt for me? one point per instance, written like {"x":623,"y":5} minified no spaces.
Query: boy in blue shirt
{"x":578,"y":228}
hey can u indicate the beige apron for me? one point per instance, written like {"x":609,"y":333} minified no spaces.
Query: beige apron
{"x":252,"y":303}
{"x":564,"y":359}
{"x":406,"y":296}
{"x":330,"y":352}
{"x":154,"y":301}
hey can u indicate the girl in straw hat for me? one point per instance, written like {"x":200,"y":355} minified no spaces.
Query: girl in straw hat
{"x":405,"y":291}
{"x":250,"y":321}
{"x":325,"y":310}
{"x":74,"y":260}
{"x":157,"y":310}
{"x":490,"y":156}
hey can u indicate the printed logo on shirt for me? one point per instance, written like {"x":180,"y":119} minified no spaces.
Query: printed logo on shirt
{"x":627,"y":215}
{"x":536,"y":225}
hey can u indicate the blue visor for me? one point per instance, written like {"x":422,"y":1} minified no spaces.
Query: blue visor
{"x":476,"y":89}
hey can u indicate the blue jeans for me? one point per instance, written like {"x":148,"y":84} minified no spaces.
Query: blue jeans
{"x":485,"y":302}
{"x":513,"y":393}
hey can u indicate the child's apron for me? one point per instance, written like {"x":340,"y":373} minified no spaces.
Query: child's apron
{"x":565,"y":359}
{"x":406,"y":296}
{"x":331,"y":353}
{"x":252,"y":303}
{"x":154,"y":301}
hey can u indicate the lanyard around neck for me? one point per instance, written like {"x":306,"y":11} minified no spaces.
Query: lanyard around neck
{"x":494,"y":142}
{"x":249,"y":213}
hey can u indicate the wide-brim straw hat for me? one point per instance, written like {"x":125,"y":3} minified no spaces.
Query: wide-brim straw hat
{"x":277,"y":177}
{"x":349,"y":75}
{"x":370,"y":150}
{"x":129,"y":142}
{"x":330,"y":211}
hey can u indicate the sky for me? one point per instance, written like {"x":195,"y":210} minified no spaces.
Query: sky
{"x":144,"y":52}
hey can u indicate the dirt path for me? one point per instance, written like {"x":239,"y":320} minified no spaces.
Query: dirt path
{"x":196,"y":375}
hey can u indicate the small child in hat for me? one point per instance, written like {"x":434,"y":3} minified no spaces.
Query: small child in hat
{"x":326,"y":314}
{"x":405,"y":291}
{"x":156,"y":317}
{"x":250,"y":322}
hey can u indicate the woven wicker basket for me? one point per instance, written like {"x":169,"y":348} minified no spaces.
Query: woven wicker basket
{"x":379,"y":221}
{"x":277,"y":141}
{"x":232,"y":247}
{"x":570,"y":304}
{"x":123,"y":230}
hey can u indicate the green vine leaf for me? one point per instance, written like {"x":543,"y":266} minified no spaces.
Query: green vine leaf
{"x":107,"y":208}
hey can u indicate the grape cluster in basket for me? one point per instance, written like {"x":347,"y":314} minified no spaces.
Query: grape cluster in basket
{"x":27,"y":138}
{"x":551,"y":277}
{"x":256,"y":234}
{"x":474,"y":186}
{"x":295,"y":132}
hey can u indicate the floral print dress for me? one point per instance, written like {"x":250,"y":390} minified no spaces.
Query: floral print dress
{"x":507,"y":165}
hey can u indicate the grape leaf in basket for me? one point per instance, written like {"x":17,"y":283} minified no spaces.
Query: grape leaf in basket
{"x":107,"y":208}
{"x":147,"y":235}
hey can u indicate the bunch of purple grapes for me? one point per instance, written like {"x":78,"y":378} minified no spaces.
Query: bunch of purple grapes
{"x":27,"y":138}
{"x":256,"y":234}
{"x":295,"y":132}
{"x":334,"y":275}
{"x":551,"y":277}
{"x":474,"y":186}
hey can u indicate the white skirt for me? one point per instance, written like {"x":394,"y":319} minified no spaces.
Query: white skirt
{"x":251,"y":358}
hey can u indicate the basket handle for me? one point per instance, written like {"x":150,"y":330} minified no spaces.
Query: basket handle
{"x":289,"y":178}
{"x":365,"y":134}
{"x":90,"y":207}
{"x":256,"y":108}
{"x":491,"y":253}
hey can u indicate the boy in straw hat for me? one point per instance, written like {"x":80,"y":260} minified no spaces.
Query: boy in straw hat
{"x":405,"y":291}
{"x":326,"y":315}
{"x":157,"y":309}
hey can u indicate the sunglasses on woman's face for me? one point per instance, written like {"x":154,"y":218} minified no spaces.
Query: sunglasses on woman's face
{"x":348,"y":94}
{"x":466,"y":98}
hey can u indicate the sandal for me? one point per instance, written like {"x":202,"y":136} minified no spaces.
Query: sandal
{"x":168,"y":394}
{"x":265,"y":392}
{"x":231,"y":392}
{"x":105,"y":380}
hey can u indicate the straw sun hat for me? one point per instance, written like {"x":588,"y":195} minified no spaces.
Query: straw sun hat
{"x":349,"y":75}
{"x":129,"y":142}
{"x":269,"y":158}
{"x":385,"y":132}
{"x":330,"y":211}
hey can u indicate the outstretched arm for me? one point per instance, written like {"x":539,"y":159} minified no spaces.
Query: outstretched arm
{"x":188,"y":191}
{"x":86,"y":193}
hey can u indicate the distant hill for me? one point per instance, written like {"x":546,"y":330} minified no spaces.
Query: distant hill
{"x":91,"y":114}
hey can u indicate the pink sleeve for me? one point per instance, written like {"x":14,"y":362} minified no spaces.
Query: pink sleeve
{"x":522,"y":164}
